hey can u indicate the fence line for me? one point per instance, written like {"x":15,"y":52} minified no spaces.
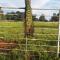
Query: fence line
{"x":33,"y":39}
{"x":24,"y":8}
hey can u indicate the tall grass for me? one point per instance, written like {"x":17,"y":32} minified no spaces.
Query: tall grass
{"x":42,"y":30}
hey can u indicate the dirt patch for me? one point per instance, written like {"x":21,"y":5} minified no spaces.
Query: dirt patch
{"x":7,"y":46}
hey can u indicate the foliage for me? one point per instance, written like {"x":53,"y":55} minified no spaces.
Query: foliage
{"x":55,"y":17}
{"x":42,"y":18}
{"x":16,"y":16}
{"x":34,"y":18}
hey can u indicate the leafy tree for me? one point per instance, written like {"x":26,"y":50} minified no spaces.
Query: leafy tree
{"x":20,"y":15}
{"x":42,"y":18}
{"x":17,"y":16}
{"x":54,"y":17}
{"x":34,"y":18}
{"x":11,"y":16}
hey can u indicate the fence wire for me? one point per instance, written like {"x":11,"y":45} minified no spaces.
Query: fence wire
{"x":42,"y":46}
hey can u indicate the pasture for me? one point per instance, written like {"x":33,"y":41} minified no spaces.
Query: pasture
{"x":43,"y":40}
{"x":15,"y":30}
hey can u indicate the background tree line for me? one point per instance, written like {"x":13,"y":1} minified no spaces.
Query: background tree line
{"x":20,"y":16}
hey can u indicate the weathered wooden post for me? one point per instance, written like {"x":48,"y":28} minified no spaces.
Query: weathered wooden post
{"x":28,"y":24}
{"x":28,"y":19}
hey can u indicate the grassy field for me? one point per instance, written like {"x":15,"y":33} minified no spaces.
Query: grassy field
{"x":13,"y":30}
{"x":47,"y":30}
{"x":42,"y":31}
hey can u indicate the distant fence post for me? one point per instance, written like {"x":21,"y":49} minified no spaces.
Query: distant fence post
{"x":58,"y":37}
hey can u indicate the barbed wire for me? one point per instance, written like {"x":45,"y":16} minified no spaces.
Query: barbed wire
{"x":24,"y":8}
{"x":12,"y":7}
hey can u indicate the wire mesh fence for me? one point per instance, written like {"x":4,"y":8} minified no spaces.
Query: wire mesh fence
{"x":44,"y":44}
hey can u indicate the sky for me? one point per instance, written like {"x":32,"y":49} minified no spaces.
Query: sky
{"x":42,"y":4}
{"x":34,"y":3}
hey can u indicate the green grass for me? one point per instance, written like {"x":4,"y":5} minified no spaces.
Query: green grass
{"x":46,"y":24}
{"x":13,"y":30}
{"x":42,"y":31}
{"x":46,"y":30}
